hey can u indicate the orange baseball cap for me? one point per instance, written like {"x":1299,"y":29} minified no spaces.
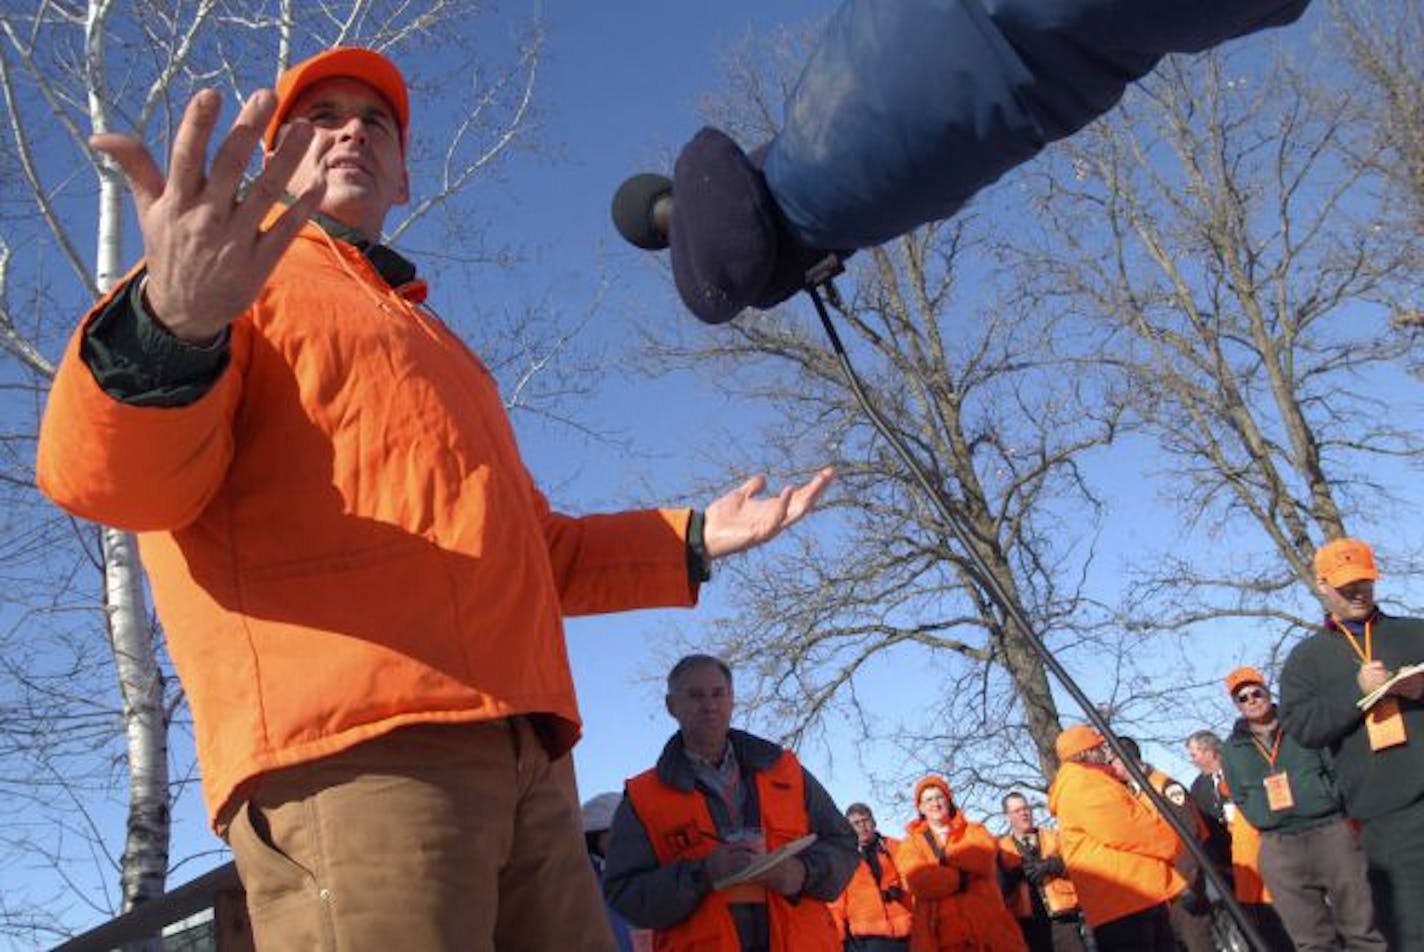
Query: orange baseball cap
{"x":351,"y":62}
{"x":1243,"y":676}
{"x":933,"y":781}
{"x":1342,"y":561}
{"x":1075,"y":740}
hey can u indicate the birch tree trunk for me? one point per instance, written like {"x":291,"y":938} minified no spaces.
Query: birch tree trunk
{"x":143,"y":867}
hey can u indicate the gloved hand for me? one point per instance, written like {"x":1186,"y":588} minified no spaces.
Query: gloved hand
{"x":893,"y":894}
{"x":731,"y":248}
{"x":1054,"y":866}
{"x":1034,"y":871}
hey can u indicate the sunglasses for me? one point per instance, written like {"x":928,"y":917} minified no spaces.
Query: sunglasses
{"x":1251,"y":694}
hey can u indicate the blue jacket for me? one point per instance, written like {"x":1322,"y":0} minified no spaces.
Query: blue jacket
{"x":906,"y":109}
{"x":909,"y":107}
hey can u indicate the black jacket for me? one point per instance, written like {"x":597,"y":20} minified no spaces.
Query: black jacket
{"x":1318,"y":694}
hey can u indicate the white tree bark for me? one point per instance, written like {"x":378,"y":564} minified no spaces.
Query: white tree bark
{"x":143,"y":867}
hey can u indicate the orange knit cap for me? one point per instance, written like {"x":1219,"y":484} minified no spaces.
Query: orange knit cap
{"x":933,"y":781}
{"x":1241,"y":676}
{"x":1075,"y":740}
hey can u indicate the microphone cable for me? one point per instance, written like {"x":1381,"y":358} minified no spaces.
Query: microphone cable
{"x":820,"y":278}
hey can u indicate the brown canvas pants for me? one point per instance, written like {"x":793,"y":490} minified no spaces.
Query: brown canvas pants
{"x":1320,"y":885}
{"x":433,"y":837}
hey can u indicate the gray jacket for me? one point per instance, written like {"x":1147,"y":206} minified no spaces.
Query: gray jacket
{"x":659,"y":897}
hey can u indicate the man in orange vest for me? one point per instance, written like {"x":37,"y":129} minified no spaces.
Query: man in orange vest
{"x":1035,"y":883}
{"x":717,"y":801}
{"x":1119,"y":853}
{"x":874,"y":911}
{"x":361,"y":587}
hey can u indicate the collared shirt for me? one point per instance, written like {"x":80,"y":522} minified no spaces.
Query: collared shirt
{"x":722,"y":780}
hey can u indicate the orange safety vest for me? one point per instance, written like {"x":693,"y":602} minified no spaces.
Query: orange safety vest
{"x":1059,"y":896}
{"x":679,"y":827}
{"x":1246,"y":861}
{"x":861,"y":909}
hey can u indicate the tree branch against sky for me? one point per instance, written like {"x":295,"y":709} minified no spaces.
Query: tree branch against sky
{"x":1210,"y":258}
{"x":979,"y":385}
{"x":1241,"y":269}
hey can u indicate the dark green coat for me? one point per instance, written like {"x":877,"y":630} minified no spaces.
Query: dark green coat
{"x":1312,"y":782}
{"x":1317,"y":702}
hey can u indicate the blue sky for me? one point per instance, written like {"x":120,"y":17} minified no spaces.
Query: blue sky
{"x":620,"y":89}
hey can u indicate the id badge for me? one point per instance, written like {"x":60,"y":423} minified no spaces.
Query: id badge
{"x":1385,"y":724}
{"x":1278,"y":791}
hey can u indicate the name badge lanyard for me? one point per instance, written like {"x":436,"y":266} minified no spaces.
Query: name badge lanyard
{"x":1277,"y":782}
{"x":1385,"y":722}
{"x":1367,"y":652}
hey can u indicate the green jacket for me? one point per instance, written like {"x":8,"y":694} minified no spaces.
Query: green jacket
{"x":1317,"y":703}
{"x":1312,"y":782}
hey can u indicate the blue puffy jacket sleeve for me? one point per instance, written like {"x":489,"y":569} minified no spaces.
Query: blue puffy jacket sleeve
{"x":909,"y":107}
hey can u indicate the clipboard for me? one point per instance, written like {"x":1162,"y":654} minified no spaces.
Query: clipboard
{"x":1373,"y":698}
{"x":760,"y":865}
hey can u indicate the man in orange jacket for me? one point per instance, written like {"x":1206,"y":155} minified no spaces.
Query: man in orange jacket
{"x":1189,"y":909}
{"x":873,"y":912}
{"x":717,"y":800}
{"x":1035,"y":883}
{"x":1119,"y":853}
{"x":361,"y":587}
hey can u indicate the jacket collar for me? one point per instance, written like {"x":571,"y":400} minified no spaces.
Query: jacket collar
{"x":753,"y":756}
{"x":394,"y":269}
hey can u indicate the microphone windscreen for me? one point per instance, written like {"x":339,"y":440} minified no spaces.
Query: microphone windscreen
{"x":633,"y":210}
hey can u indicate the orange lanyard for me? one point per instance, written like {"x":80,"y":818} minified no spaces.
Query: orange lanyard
{"x":1275,"y":748}
{"x":1367,"y":653}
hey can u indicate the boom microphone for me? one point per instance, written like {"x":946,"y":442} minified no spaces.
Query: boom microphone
{"x":642,"y":210}
{"x":730,"y":246}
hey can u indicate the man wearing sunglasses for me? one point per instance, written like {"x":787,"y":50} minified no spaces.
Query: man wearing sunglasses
{"x":1310,"y":854}
{"x":1377,"y":755}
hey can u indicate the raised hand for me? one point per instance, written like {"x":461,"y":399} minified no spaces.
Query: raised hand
{"x":740,"y":520}
{"x":206,"y":252}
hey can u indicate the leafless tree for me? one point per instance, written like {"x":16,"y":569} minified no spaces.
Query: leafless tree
{"x":1218,"y":229}
{"x":1381,"y":42}
{"x":69,"y":69}
{"x":1212,"y":256}
{"x":979,"y":384}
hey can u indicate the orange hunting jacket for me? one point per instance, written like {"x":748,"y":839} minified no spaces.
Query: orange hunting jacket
{"x":862,"y":909}
{"x":1059,"y":896}
{"x":340,"y":535}
{"x":1119,"y":852}
{"x":958,"y":906}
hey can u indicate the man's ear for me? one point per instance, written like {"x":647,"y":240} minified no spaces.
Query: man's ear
{"x":667,"y":703}
{"x":403,"y":193}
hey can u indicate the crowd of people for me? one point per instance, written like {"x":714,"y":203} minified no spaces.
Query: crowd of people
{"x":1310,"y":811}
{"x":363,"y":590}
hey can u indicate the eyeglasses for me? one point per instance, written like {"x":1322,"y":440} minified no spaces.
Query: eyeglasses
{"x":1251,"y":694}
